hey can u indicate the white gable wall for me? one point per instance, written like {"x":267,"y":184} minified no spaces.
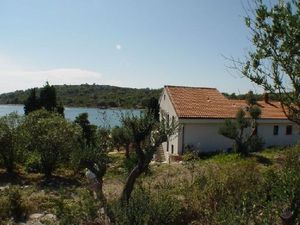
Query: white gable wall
{"x":203,"y":135}
{"x":167,"y":110}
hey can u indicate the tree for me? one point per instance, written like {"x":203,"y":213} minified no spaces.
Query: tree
{"x":46,"y":100}
{"x":9,"y":140}
{"x":274,"y":62}
{"x":50,"y":136}
{"x":243,"y":129}
{"x":94,"y":157}
{"x":153,"y":107}
{"x":88,"y":130}
{"x":121,"y":137}
{"x":48,"y":97}
{"x":147,"y":136}
{"x":32,"y":102}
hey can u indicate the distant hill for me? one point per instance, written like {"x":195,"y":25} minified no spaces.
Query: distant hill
{"x":86,"y":95}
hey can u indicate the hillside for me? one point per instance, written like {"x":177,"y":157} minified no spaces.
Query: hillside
{"x":86,"y":95}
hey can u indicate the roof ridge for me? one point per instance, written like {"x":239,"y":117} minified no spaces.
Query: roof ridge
{"x":178,"y":86}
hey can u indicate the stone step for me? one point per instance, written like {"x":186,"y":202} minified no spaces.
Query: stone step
{"x":159,"y":155}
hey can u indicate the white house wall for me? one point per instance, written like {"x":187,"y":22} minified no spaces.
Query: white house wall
{"x":205,"y":138}
{"x":265,"y":130}
{"x":166,"y":108}
{"x":203,"y":134}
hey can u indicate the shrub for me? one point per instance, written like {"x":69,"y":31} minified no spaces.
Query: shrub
{"x":51,"y":137}
{"x":256,"y":144}
{"x":242,"y":193}
{"x":84,"y":211}
{"x":148,"y":208}
{"x":33,"y":163}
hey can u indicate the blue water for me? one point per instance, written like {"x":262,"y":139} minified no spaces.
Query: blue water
{"x":99,"y":117}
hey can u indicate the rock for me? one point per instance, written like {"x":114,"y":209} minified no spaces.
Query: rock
{"x":36,"y":216}
{"x":34,"y":223}
{"x":50,"y":216}
{"x":3,"y":188}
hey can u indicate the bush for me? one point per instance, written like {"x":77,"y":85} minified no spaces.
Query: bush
{"x":33,"y":163}
{"x":241,"y":193}
{"x":256,"y":144}
{"x":148,"y":208}
{"x":12,"y":206}
{"x":84,"y":211}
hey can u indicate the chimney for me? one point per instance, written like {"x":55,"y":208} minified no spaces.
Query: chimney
{"x":266,"y":97}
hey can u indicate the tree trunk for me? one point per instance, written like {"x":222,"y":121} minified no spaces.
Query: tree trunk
{"x":128,"y":188}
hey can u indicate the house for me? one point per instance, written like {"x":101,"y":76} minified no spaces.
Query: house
{"x":200,"y":112}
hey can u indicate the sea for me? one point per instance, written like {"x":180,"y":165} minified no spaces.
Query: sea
{"x":98,"y":117}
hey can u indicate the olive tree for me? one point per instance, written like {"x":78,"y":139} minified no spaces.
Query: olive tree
{"x":94,"y":157}
{"x":243,"y":129}
{"x":274,"y":59}
{"x":148,"y":135}
{"x":52,"y":137}
{"x":9,"y":140}
{"x":121,"y":137}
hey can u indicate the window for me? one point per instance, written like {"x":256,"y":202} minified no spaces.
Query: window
{"x":164,"y":97}
{"x":275,"y":130}
{"x":172,"y":149}
{"x":289,"y":130}
{"x":167,"y":145}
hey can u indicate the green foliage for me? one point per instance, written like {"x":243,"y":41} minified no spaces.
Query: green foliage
{"x":102,"y":96}
{"x":88,"y":130}
{"x":52,"y":137}
{"x":145,"y":208}
{"x":147,"y":136}
{"x":17,"y":209}
{"x":153,"y":107}
{"x":255,"y":143}
{"x":33,"y":163}
{"x":84,"y":212}
{"x":121,"y":137}
{"x":239,"y":193}
{"x":242,"y":129}
{"x":273,"y":62}
{"x":32,"y":102}
{"x":130,"y":162}
{"x":12,"y":206}
{"x":46,"y":100}
{"x":9,"y":140}
{"x":190,"y":156}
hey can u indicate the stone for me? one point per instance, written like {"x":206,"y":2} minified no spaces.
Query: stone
{"x":36,"y":216}
{"x":3,"y":188}
{"x":50,"y":216}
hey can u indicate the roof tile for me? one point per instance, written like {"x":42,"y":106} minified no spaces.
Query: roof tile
{"x":199,"y":102}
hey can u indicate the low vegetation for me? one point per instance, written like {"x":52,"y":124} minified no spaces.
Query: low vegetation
{"x":262,"y":188}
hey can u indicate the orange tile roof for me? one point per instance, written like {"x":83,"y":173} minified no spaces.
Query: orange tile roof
{"x":199,"y":102}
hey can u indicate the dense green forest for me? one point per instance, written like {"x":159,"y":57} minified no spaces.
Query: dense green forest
{"x":86,"y":95}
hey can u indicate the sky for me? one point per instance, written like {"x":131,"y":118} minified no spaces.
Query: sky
{"x":128,"y":43}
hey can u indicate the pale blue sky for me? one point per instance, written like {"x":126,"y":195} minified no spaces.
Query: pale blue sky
{"x":133,"y":43}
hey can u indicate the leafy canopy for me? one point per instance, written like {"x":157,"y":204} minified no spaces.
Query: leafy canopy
{"x":274,"y":61}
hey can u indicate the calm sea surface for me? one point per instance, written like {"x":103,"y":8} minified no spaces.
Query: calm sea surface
{"x":99,"y":117}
